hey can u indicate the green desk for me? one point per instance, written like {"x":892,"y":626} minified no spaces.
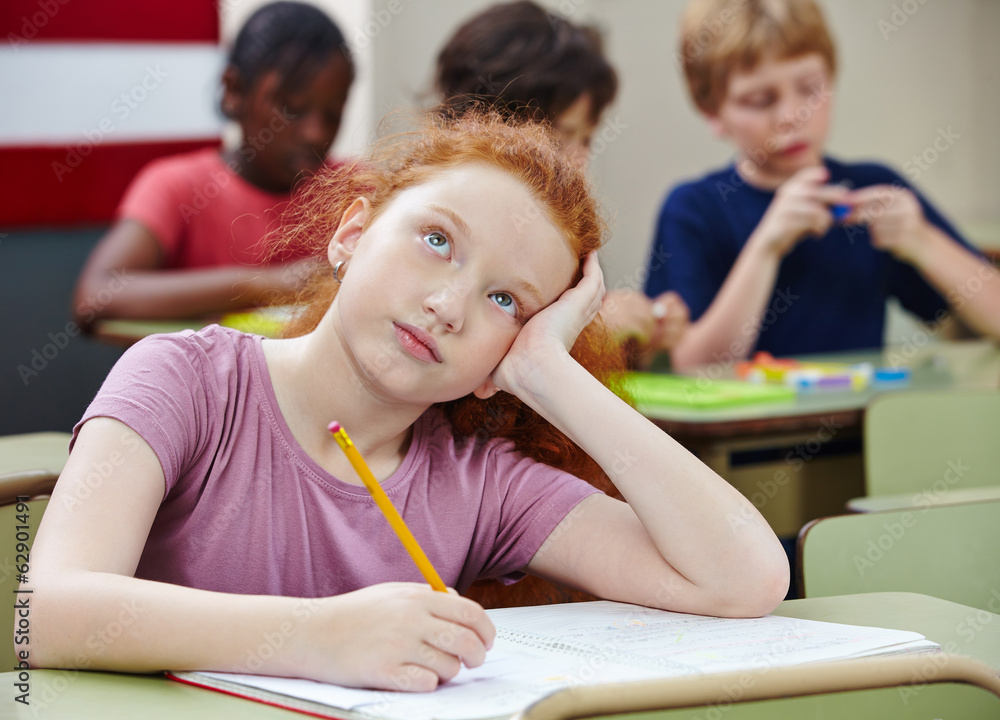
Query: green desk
{"x":801,"y":459}
{"x":129,"y":332}
{"x":81,"y":695}
{"x":882,"y":503}
{"x":262,"y":321}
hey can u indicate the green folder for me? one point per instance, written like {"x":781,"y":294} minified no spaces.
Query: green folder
{"x":679,"y":391}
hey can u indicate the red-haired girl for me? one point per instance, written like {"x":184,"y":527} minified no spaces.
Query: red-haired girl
{"x":451,"y":333}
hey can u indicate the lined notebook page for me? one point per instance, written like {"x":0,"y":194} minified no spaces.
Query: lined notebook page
{"x":545,"y":648}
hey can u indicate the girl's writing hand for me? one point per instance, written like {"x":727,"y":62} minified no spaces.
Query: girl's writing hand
{"x":554,"y":328}
{"x":801,"y":207}
{"x":894,"y":217}
{"x":392,"y":636}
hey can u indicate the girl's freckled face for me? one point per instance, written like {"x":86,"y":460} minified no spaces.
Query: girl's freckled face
{"x":442,"y":281}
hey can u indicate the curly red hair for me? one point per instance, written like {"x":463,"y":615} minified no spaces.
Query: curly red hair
{"x":529,"y":153}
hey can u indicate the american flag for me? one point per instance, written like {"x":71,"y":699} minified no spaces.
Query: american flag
{"x":92,"y":90}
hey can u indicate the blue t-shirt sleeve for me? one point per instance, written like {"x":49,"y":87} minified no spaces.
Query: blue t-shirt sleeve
{"x":905,"y":282}
{"x":685,"y":256}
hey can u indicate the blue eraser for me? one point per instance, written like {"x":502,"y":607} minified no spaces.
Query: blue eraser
{"x":891,"y":375}
{"x":840,"y":212}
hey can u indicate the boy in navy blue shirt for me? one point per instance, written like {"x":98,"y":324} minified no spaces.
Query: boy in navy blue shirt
{"x":787,"y":250}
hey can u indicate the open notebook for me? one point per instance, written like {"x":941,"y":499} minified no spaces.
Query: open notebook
{"x":542,"y":649}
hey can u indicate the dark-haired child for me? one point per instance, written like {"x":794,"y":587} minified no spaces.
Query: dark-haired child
{"x":190,"y":229}
{"x":788,"y":250}
{"x":529,"y":63}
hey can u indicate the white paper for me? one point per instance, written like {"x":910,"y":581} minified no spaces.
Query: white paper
{"x":545,"y":648}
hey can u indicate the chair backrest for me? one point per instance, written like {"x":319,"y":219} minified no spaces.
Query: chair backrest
{"x":34,"y":451}
{"x":948,"y":551}
{"x":932,"y":440}
{"x":18,"y":524}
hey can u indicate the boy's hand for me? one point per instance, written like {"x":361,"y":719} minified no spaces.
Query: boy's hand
{"x":672,"y":319}
{"x":801,"y":207}
{"x":392,"y":636}
{"x":894,"y":217}
{"x":554,"y":328}
{"x":628,"y":314}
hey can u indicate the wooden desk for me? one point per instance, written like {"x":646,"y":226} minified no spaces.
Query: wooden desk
{"x":46,"y":451}
{"x":802,"y":459}
{"x":81,"y":695}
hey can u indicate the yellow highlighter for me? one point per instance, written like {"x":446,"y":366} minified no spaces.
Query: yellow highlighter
{"x":387,"y":508}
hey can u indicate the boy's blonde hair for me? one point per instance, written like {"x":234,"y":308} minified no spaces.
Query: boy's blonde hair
{"x":721,"y":36}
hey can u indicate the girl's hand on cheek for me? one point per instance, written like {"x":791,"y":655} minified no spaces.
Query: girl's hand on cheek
{"x":552,"y":330}
{"x":392,"y":636}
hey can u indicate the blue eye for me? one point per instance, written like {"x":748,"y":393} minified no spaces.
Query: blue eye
{"x":438,"y":243}
{"x":506,"y":302}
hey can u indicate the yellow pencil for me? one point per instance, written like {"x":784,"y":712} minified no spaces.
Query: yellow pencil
{"x":387,"y":508}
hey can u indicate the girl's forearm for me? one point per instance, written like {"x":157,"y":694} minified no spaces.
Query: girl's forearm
{"x":102,"y":621}
{"x":702,"y":526}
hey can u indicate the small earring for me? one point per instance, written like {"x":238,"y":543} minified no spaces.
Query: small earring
{"x":336,"y":271}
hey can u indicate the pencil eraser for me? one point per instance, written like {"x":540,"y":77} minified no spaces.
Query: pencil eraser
{"x":333,"y":427}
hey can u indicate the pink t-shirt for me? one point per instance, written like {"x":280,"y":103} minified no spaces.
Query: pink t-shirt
{"x":246,"y":510}
{"x":202,"y":213}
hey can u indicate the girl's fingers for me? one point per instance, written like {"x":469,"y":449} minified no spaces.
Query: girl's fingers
{"x":467,"y":615}
{"x":415,"y":678}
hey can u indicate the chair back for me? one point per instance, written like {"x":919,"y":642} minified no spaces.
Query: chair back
{"x":932,"y":441}
{"x":947,"y":551}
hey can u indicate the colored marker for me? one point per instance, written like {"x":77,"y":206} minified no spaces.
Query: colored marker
{"x":387,"y":508}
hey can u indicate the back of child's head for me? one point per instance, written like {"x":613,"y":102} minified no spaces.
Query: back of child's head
{"x":527,"y":151}
{"x":719,"y":37}
{"x":293,"y":39}
{"x":525,"y":62}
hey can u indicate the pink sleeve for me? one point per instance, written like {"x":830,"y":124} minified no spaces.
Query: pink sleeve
{"x":531,"y":499}
{"x":154,"y":199}
{"x":158,"y":391}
